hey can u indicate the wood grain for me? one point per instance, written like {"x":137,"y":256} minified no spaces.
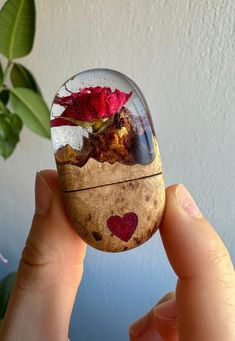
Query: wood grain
{"x":89,"y":210}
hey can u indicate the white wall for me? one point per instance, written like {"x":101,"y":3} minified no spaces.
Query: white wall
{"x":181,"y":53}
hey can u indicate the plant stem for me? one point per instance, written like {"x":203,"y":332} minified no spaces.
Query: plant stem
{"x":7,"y":70}
{"x":5,"y":74}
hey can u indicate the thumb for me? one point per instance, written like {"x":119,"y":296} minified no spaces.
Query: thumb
{"x":49,"y":273}
{"x":205,"y":295}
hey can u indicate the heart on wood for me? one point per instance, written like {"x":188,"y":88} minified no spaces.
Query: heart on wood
{"x":123,"y":227}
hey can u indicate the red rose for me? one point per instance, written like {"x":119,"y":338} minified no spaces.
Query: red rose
{"x":90,"y":104}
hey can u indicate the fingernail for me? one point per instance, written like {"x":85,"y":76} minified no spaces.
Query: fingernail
{"x":169,"y":296}
{"x":185,"y":200}
{"x":43,"y":196}
{"x":166,"y":311}
{"x":142,"y":325}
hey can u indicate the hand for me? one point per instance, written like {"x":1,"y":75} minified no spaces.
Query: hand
{"x":203,"y":308}
{"x":52,"y":263}
{"x":50,"y":271}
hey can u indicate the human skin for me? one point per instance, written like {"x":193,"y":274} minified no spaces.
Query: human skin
{"x":202,"y":309}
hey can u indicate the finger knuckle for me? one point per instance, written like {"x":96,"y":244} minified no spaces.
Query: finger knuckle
{"x":36,"y":269}
{"x":218,"y":257}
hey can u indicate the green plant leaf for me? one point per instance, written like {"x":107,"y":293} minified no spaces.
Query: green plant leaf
{"x":32,"y":110}
{"x":3,"y":109}
{"x":16,"y":123}
{"x":1,"y":75}
{"x":4,"y":96}
{"x":5,"y":127}
{"x":21,"y":77}
{"x":8,"y":146}
{"x":10,"y":127}
{"x":5,"y":289}
{"x":17,"y":27}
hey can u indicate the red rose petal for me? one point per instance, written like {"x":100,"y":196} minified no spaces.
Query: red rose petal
{"x":90,"y":104}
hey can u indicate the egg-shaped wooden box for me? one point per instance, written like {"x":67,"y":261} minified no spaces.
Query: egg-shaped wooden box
{"x":108,"y":160}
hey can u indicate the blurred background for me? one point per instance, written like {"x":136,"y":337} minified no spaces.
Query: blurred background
{"x":181,"y":54}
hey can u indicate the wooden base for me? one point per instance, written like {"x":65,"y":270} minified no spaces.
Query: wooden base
{"x":90,"y":209}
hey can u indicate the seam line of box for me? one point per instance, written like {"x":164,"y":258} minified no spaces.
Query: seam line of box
{"x":114,"y":183}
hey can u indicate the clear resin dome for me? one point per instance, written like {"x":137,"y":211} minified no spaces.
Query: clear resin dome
{"x":101,"y":114}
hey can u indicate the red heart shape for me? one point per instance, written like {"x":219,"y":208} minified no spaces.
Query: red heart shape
{"x":123,"y":227}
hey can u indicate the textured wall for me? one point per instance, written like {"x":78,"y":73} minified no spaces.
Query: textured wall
{"x":181,"y":53}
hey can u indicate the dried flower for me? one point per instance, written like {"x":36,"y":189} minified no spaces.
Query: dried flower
{"x":89,"y":105}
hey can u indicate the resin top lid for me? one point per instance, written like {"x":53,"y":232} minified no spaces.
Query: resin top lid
{"x":102,"y":131}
